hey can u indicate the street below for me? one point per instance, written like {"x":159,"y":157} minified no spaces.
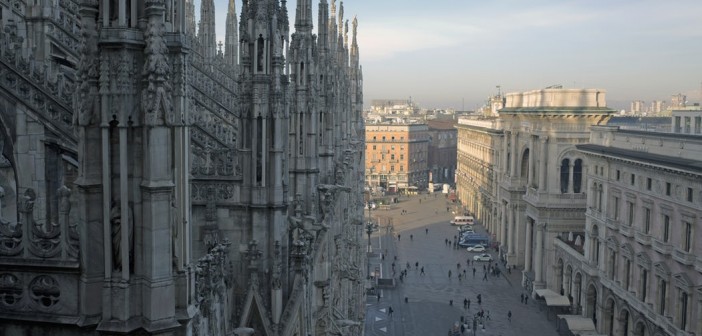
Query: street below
{"x":413,"y":235}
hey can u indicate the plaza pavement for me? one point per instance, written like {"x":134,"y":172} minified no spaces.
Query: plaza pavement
{"x":427,"y":311}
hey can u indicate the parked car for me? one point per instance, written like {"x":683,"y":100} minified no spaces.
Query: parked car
{"x":483,"y":257}
{"x":465,"y":228}
{"x":476,"y":248}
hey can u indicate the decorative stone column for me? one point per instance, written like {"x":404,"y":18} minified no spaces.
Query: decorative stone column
{"x":542,"y":163}
{"x":530,"y":174}
{"x":505,"y":150}
{"x":513,"y":164}
{"x":538,"y":260}
{"x":512,"y":228}
{"x":570,"y":177}
{"x":527,"y":248}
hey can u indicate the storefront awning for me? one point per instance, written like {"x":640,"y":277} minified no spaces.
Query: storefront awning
{"x":552,"y":298}
{"x":579,"y":325}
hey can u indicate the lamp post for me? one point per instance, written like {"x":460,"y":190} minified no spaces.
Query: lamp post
{"x":369,"y":231}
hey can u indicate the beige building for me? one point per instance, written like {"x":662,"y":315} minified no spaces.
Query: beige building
{"x":638,"y":271}
{"x":396,"y":156}
{"x":605,"y":217}
{"x":687,"y":120}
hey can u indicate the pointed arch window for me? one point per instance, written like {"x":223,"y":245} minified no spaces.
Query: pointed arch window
{"x":577,"y":175}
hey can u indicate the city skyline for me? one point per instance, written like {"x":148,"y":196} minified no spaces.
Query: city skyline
{"x":454,"y":54}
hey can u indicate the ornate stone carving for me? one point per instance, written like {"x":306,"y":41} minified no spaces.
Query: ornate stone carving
{"x":72,"y":236}
{"x":86,"y":100}
{"x":45,"y":241}
{"x":156,"y":95}
{"x":10,"y":233}
{"x":116,"y":224}
{"x":44,"y":291}
{"x":11,"y":290}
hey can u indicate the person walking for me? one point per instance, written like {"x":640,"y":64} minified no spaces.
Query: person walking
{"x":473,"y":272}
{"x":488,"y":316}
{"x":399,"y":236}
{"x":411,"y":237}
{"x":422,"y":271}
{"x":521,"y":298}
{"x":509,"y":316}
{"x":526,"y":298}
{"x":378,"y":296}
{"x":468,"y":304}
{"x":449,"y":273}
{"x":416,"y":265}
{"x":390,"y":311}
{"x":465,"y":303}
{"x":485,"y":276}
{"x":426,"y":231}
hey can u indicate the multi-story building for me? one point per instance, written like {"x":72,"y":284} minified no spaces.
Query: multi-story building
{"x":638,"y":269}
{"x":153,"y":183}
{"x":537,"y":188}
{"x":638,"y":107}
{"x":478,"y":164}
{"x":441,"y":159}
{"x":396,"y":156}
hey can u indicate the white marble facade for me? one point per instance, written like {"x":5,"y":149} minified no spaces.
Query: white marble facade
{"x":153,"y":182}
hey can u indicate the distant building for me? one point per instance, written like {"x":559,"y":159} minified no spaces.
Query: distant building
{"x":687,"y":120}
{"x":441,"y":159}
{"x":678,"y":101}
{"x":642,"y":123}
{"x":658,"y":107}
{"x":638,"y":107}
{"x":396,"y":156}
{"x":393,"y":107}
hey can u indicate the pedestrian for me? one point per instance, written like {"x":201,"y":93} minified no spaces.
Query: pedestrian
{"x":464,"y":272}
{"x":459,"y":277}
{"x":422,"y":272}
{"x":449,"y":272}
{"x":398,"y":236}
{"x":488,"y":316}
{"x":509,"y":316}
{"x":378,"y":296}
{"x":473,"y":272}
{"x":465,"y":303}
{"x":411,"y":237}
{"x":526,"y":298}
{"x":458,"y":265}
{"x":509,"y":269}
{"x":390,"y":311}
{"x":468,"y":304}
{"x":447,"y":209}
{"x":426,"y":231}
{"x":450,"y":302}
{"x":521,"y":298}
{"x":416,"y":265}
{"x":408,"y":265}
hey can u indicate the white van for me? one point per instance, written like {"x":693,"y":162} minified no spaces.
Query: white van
{"x":463,"y":220}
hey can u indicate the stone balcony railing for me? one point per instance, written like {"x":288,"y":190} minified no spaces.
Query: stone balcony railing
{"x":535,"y":196}
{"x":626,"y":230}
{"x":661,"y":247}
{"x":643,"y":238}
{"x":683,"y":257}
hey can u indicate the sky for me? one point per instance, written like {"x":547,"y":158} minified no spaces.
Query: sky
{"x":455,"y":53}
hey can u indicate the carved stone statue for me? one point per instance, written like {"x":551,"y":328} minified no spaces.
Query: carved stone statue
{"x":116,"y":224}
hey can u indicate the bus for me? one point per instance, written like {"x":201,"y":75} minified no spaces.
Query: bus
{"x":472,"y":239}
{"x":463,"y":220}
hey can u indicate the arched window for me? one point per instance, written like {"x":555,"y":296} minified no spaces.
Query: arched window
{"x":525,"y":164}
{"x":259,"y":53}
{"x":565,"y":171}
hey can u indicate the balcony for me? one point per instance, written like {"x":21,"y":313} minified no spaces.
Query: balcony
{"x":613,"y":223}
{"x":542,"y":198}
{"x":643,"y":238}
{"x":683,"y":257}
{"x":626,"y":231}
{"x":661,"y":247}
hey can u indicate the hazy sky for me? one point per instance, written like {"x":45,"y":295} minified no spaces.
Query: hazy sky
{"x":449,"y":53}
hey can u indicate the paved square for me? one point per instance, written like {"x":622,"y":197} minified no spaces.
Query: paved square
{"x":427,"y":310}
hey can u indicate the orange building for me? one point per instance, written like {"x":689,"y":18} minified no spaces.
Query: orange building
{"x":396,"y":156}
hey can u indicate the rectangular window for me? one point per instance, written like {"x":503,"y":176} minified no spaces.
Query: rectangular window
{"x":619,"y":174}
{"x":616,"y":208}
{"x":627,"y":274}
{"x":644,"y":283}
{"x":689,"y":194}
{"x":402,"y":168}
{"x":661,"y":301}
{"x":649,"y":183}
{"x":633,"y":179}
{"x":676,"y":125}
{"x":631,"y":213}
{"x":647,"y":220}
{"x":402,"y":156}
{"x":687,"y":239}
{"x":392,"y":168}
{"x":666,"y":228}
{"x":698,"y":125}
{"x":667,"y":188}
{"x":374,"y":147}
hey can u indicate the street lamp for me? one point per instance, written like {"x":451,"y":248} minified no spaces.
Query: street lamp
{"x":369,"y":231}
